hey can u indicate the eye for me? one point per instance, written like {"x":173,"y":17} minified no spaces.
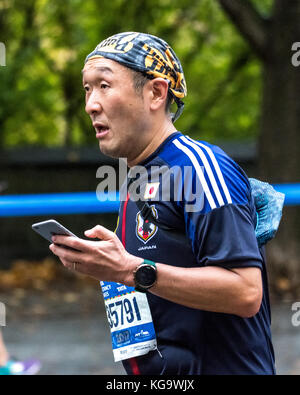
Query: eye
{"x":103,"y":85}
{"x":86,"y":88}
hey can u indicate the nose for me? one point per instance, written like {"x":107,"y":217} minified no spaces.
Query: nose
{"x":92,"y":105}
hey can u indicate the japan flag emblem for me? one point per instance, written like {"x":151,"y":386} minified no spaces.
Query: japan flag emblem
{"x":151,"y":190}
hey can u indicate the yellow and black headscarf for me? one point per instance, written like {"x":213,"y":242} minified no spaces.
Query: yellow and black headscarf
{"x":147,"y":54}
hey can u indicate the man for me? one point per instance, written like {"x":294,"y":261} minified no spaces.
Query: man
{"x":199,"y":275}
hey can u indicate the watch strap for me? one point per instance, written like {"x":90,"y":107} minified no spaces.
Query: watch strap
{"x":148,"y":262}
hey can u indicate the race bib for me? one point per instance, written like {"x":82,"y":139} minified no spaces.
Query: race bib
{"x":130,"y":321}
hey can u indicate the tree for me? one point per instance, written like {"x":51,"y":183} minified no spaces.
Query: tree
{"x":41,"y":97}
{"x":271,"y":39}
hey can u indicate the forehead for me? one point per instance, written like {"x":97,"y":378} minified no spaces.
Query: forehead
{"x":105,"y":66}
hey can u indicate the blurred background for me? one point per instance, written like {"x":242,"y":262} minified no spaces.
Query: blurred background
{"x":241,"y":67}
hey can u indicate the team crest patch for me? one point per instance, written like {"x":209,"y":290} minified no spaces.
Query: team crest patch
{"x":145,"y":230}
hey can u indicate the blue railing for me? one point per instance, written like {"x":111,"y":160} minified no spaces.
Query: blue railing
{"x":87,"y":202}
{"x":57,"y":203}
{"x":292,"y":193}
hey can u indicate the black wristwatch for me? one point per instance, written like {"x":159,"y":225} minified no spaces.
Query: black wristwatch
{"x":145,"y":276}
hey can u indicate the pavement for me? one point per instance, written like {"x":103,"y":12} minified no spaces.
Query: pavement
{"x":69,"y":333}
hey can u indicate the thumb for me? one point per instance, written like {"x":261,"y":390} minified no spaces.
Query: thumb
{"x":99,"y":232}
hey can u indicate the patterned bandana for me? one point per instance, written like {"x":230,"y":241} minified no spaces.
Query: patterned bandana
{"x":147,"y":54}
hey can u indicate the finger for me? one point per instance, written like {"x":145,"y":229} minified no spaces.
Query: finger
{"x":72,"y":242}
{"x":79,"y":268}
{"x":74,"y":266}
{"x":66,"y":255}
{"x":67,"y":264}
{"x":100,"y":232}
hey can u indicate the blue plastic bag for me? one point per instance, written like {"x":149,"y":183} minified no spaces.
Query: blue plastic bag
{"x":269,"y":205}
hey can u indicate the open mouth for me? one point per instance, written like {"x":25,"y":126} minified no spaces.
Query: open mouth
{"x":101,"y":130}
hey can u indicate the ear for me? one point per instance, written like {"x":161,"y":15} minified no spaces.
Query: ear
{"x":159,"y":93}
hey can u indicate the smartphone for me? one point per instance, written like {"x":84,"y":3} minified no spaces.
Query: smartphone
{"x":50,"y":228}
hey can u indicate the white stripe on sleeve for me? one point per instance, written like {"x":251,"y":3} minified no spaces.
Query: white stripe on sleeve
{"x":207,"y":169}
{"x":217,"y":168}
{"x":199,"y":172}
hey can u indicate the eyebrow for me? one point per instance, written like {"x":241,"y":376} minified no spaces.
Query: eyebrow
{"x":102,"y":69}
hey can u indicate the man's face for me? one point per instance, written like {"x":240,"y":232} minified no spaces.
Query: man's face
{"x":118,"y":113}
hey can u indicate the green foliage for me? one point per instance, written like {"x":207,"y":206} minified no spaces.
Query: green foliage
{"x":41,"y":95}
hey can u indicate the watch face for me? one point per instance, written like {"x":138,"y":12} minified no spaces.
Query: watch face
{"x":146,"y":276}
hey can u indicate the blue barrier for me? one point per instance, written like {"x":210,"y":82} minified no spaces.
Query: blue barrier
{"x":292,"y":193}
{"x":58,"y":203}
{"x":87,"y":202}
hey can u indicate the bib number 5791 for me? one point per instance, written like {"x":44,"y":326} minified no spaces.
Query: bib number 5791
{"x":124,"y":311}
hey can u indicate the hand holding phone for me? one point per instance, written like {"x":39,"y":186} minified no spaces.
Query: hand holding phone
{"x":48,"y":229}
